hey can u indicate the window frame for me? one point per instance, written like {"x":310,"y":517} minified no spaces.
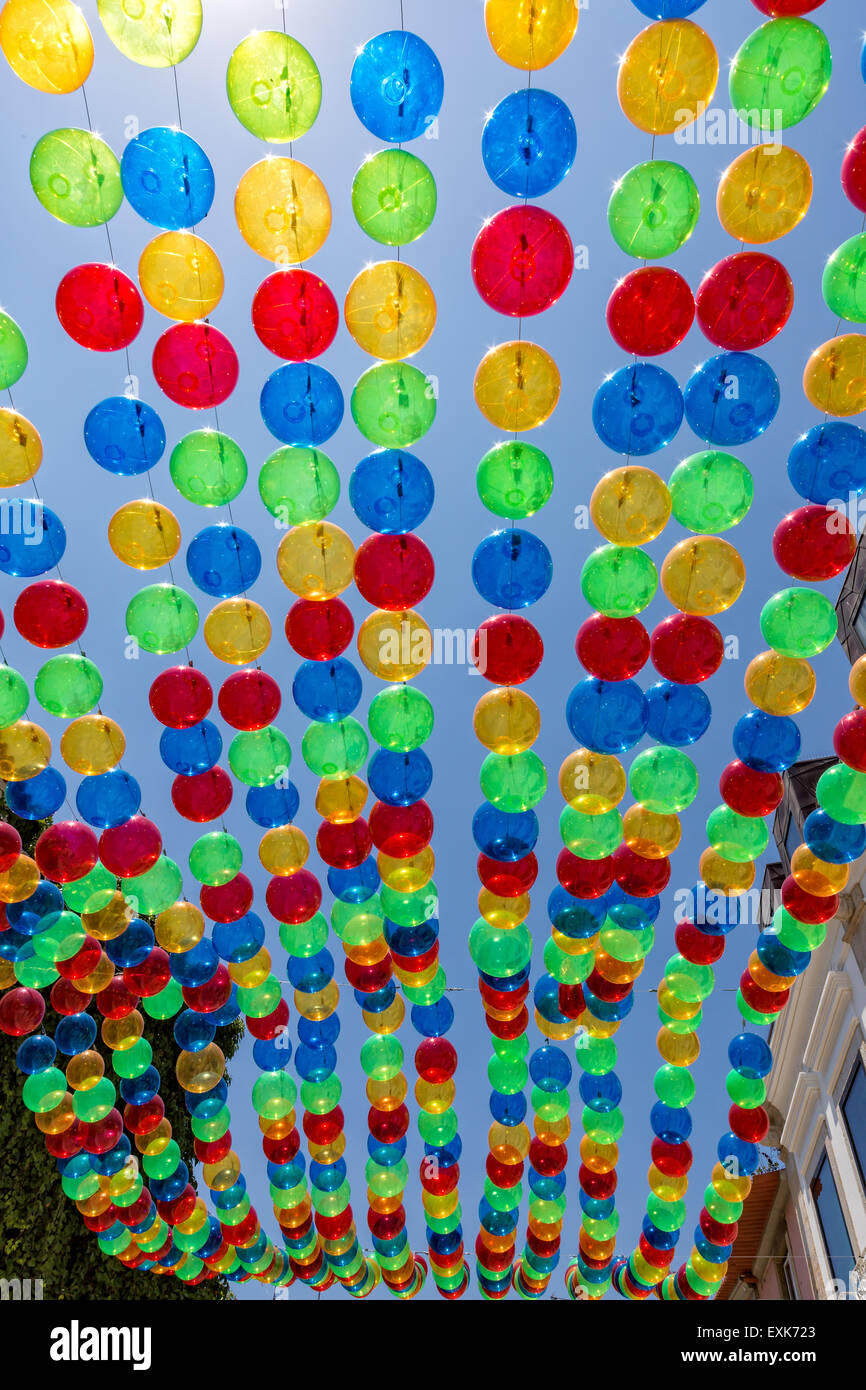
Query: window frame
{"x":816,"y":1177}
{"x":858,"y":1072}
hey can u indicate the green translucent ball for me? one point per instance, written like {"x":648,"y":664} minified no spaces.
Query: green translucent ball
{"x":513,"y":782}
{"x":627,"y":945}
{"x":798,"y":622}
{"x":84,"y":893}
{"x":273,"y":86}
{"x":841,"y":792}
{"x":14,"y":696}
{"x":298,"y":485}
{"x":258,"y":758}
{"x":162,"y":618}
{"x":508,"y":1075}
{"x":674,"y":1086}
{"x":208,"y":468}
{"x":619,"y":580}
{"x":304,"y":939}
{"x":274,"y":1095}
{"x":590,"y":837}
{"x":68,"y":686}
{"x":500,"y":951}
{"x":133,"y":1061}
{"x":394,"y":197}
{"x":356,"y":925}
{"x":740,"y":839}
{"x":162,"y":1165}
{"x":668,"y":1216}
{"x":720,"y":1209}
{"x":680,"y":1025}
{"x":746,"y":1091}
{"x":514,"y":479}
{"x":168,"y":1002}
{"x":797,"y":936}
{"x":780,"y":73}
{"x":215,"y":858}
{"x":260,"y":1000}
{"x":427,"y":994}
{"x":382,"y":1057}
{"x":335,"y":750}
{"x":13,"y":351}
{"x":156,"y":889}
{"x":62,"y":937}
{"x":664,"y":780}
{"x":394,"y":404}
{"x":653,"y":209}
{"x":409,"y":909}
{"x":400,"y":718}
{"x":76,"y":177}
{"x":438,"y":1130}
{"x":844,"y":281}
{"x":566,"y":969}
{"x":44,"y":1090}
{"x":603,"y":1127}
{"x":34,"y":973}
{"x":710,"y":492}
{"x":93,"y":1105}
{"x":687,"y":981}
{"x":595,"y":1055}
{"x":321,"y":1096}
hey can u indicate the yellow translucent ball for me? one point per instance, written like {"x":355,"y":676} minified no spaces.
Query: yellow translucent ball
{"x":25,"y":750}
{"x":764,"y":194}
{"x":592,"y":783}
{"x":503,"y":912}
{"x":597,"y":1027}
{"x":180,"y":276}
{"x":20,"y":448}
{"x":530,"y":35}
{"x":283,"y":210}
{"x":341,"y":800}
{"x":367,"y":952}
{"x":20,"y":880}
{"x":730,"y":1189}
{"x":674,"y":1007}
{"x":320,"y":1005}
{"x":390,"y":310}
{"x":387,"y":1095}
{"x":223,"y":1174}
{"x":667,"y":72}
{"x":781,"y":685}
{"x":703,"y":575}
{"x":835,"y":377}
{"x":7,"y":974}
{"x":722,"y":876}
{"x":509,"y":1143}
{"x":389,"y":1020}
{"x":108,"y":916}
{"x":618,"y":972}
{"x":179,"y":927}
{"x":395,"y":646}
{"x":707,"y":1269}
{"x":630,"y":506}
{"x":407,"y":875}
{"x":574,"y":945}
{"x":197,"y":1220}
{"x":549,"y":1130}
{"x":669,"y":1189}
{"x":144,"y":534}
{"x":417,"y":977}
{"x":47,"y":44}
{"x":440,"y":1206}
{"x":92,"y":744}
{"x":650,"y":834}
{"x":555,"y":1032}
{"x":154,"y":33}
{"x":506,"y":720}
{"x":84,"y":1070}
{"x":316,"y":560}
{"x":201,"y":1071}
{"x":237,"y":631}
{"x":678,"y":1049}
{"x":517,"y":386}
{"x":857,"y":682}
{"x":814,"y":876}
{"x":434,"y":1098}
{"x":284,"y":850}
{"x":122,"y":1033}
{"x":99,"y":977}
{"x":249,"y":974}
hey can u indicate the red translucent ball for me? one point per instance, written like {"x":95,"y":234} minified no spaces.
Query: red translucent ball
{"x":609,"y":991}
{"x":10,"y":847}
{"x":849,"y":739}
{"x":388,"y":1126}
{"x":650,"y":311}
{"x":334,"y":1227}
{"x":502,"y":998}
{"x":64,"y":1146}
{"x":508,"y":1029}
{"x":272,"y":1024}
{"x":814,"y":543}
{"x":659,"y":1259}
{"x":99,"y":307}
{"x":508,"y":880}
{"x":218,"y":1148}
{"x":66,"y":851}
{"x":854,"y":171}
{"x":294,"y":899}
{"x":65,"y":998}
{"x":115,"y":1001}
{"x":435,"y":1060}
{"x":750,"y":1125}
{"x":204,"y":797}
{"x":415,"y":965}
{"x":249,"y":700}
{"x":131,"y":848}
{"x":600,"y":1185}
{"x":749,"y":792}
{"x":323,"y":1129}
{"x":507,"y":650}
{"x":744,"y":301}
{"x":181,"y":1209}
{"x":369,"y":979}
{"x":151,"y":976}
{"x":686,"y":649}
{"x":209,"y":997}
{"x":401,"y":831}
{"x":295,"y":315}
{"x":21,"y":1011}
{"x":50,"y":613}
{"x":393,"y":572}
{"x":612,"y":649}
{"x":763,"y":1001}
{"x":571,"y":1001}
{"x":584,"y":878}
{"x":141,"y":1119}
{"x":229,"y":901}
{"x":82,"y":964}
{"x":805,"y":907}
{"x":779,"y":9}
{"x":697,"y":946}
{"x":344,"y":846}
{"x":548,"y":1159}
{"x":386,"y":1227}
{"x":181,"y":697}
{"x":439,"y":1180}
{"x":195,"y":365}
{"x":102,"y":1135}
{"x":643,"y":878}
{"x":717,"y":1232}
{"x":674,"y":1160}
{"x":522,"y":260}
{"x":319,"y":631}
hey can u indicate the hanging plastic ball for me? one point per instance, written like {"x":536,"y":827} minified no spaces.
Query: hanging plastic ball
{"x":711,"y":491}
{"x":618,"y":581}
{"x":76,"y":177}
{"x":237,"y":631}
{"x":391,"y":491}
{"x":393,"y":404}
{"x":638,"y":410}
{"x":686,"y":648}
{"x":215,"y":858}
{"x":394,"y":197}
{"x":780,"y":684}
{"x":181,"y":697}
{"x":522,"y":260}
{"x":65,"y":851}
{"x":274,"y":87}
{"x":396,"y":86}
{"x":223,"y":560}
{"x":109,"y":799}
{"x":257,"y":759}
{"x":527,"y":38}
{"x":302,"y":404}
{"x":249,"y":700}
{"x":14,"y":696}
{"x":506,"y":721}
{"x":529,"y":143}
{"x":703,"y":576}
{"x":798,"y":622}
{"x":512,"y":569}
{"x":764,"y":194}
{"x":47,"y":45}
{"x":514,"y":479}
{"x":68,"y":686}
{"x":766,"y":742}
{"x":390,"y":310}
{"x":393,"y":572}
{"x":400,"y":718}
{"x":814,"y":543}
{"x":125,"y":436}
{"x":612,"y":648}
{"x":32,"y":540}
{"x":283,"y":210}
{"x":395,"y":645}
{"x":319,"y":630}
{"x":167,"y":178}
{"x":517,"y":386}
{"x":326,"y":691}
{"x":650,"y":311}
{"x":20,"y":880}
{"x":299,"y":485}
{"x":507,"y":650}
{"x":99,"y":307}
{"x":162,"y":618}
{"x":93,"y":744}
{"x":195,"y":365}
{"x":152,"y":33}
{"x":131,"y":848}
{"x":316,"y":560}
{"x":630,"y":506}
{"x":854,"y":171}
{"x":654,"y":209}
{"x":780,"y":73}
{"x":732,"y":398}
{"x":678,"y":714}
{"x":606,"y":716}
{"x":190,"y":751}
{"x":208,"y":468}
{"x":203,"y":797}
{"x":144,"y":535}
{"x":20,"y":449}
{"x":180,"y":276}
{"x":749,"y":792}
{"x":13,"y":348}
{"x":667,"y":76}
{"x":744,"y":301}
{"x":844,"y":282}
{"x":835,"y":377}
{"x":295,"y":314}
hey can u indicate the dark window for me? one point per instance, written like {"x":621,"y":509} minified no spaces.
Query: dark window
{"x":837,"y":1241}
{"x":854,"y":1114}
{"x":792,"y":837}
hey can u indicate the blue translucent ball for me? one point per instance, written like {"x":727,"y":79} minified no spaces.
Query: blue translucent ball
{"x":38,"y":797}
{"x":193,"y":750}
{"x":508,"y":1110}
{"x":138,"y":1090}
{"x":779,"y":959}
{"x":132,"y":946}
{"x":355,"y":885}
{"x":75,"y":1033}
{"x":15,"y":945}
{"x":575,"y":917}
{"x":597,"y":1208}
{"x":166,"y":1189}
{"x":124,"y":436}
{"x":206,"y":1104}
{"x":400,"y":778}
{"x":27,"y":914}
{"x":678,"y":714}
{"x":302,"y":404}
{"x":194,"y":968}
{"x":503,"y":835}
{"x":272,"y":1054}
{"x":671,"y":1125}
{"x":35,"y":1054}
{"x":746,"y":1155}
{"x":750,"y":1055}
{"x":167,"y":178}
{"x":391,"y":491}
{"x":230,"y":1011}
{"x":512,"y":569}
{"x":311,"y":973}
{"x":273,"y":806}
{"x":113,"y":1160}
{"x":241,"y":940}
{"x":396,"y":86}
{"x":712,"y":912}
{"x":319,"y":1033}
{"x":378,"y":1002}
{"x":659,"y":1239}
{"x":828,"y":462}
{"x":327,"y":690}
{"x":109,"y":799}
{"x":315,"y":1064}
{"x":638,"y":410}
{"x":550,"y":1068}
{"x":732,"y":398}
{"x":667,"y":9}
{"x":193,"y":1031}
{"x":608,"y":1010}
{"x":433,"y":1020}
{"x":766,"y":742}
{"x":32,"y":538}
{"x":546,"y":999}
{"x":529,"y":143}
{"x":411,"y":941}
{"x":511,"y":982}
{"x":716,"y":1254}
{"x":832,"y":841}
{"x":223,"y":561}
{"x":607,"y":716}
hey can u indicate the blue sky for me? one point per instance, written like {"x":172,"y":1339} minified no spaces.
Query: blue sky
{"x":63,"y":382}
